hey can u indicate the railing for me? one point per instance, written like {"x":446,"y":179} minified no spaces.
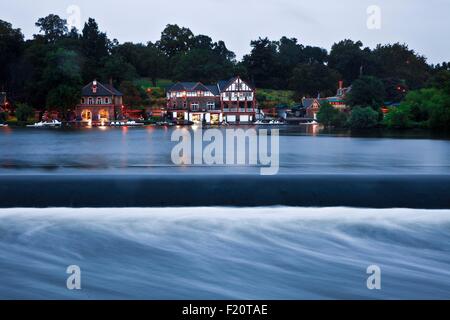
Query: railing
{"x":249,"y":109}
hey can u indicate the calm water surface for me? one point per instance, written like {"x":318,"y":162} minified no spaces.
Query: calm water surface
{"x":148,"y":150}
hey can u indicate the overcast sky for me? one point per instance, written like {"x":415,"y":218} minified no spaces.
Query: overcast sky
{"x":423,"y":25}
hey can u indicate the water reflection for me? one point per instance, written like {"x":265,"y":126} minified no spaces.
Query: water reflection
{"x":303,"y":149}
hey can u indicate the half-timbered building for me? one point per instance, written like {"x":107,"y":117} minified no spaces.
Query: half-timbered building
{"x":231,"y":101}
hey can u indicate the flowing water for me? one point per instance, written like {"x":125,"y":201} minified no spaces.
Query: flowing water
{"x":225,"y":253}
{"x":218,"y":252}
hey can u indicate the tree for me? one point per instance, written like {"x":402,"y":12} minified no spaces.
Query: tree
{"x":398,"y":61}
{"x":115,"y":68}
{"x":23,"y":112}
{"x":132,"y":94}
{"x":440,"y":116}
{"x":397,"y":118}
{"x":62,"y":78}
{"x":329,"y":116}
{"x":53,"y":27}
{"x":366,"y":91}
{"x":261,"y":63}
{"x":440,"y":80}
{"x":154,"y":63}
{"x":63,"y":98}
{"x":11,"y":47}
{"x":395,"y":89}
{"x":363,"y":118}
{"x":175,"y":40}
{"x":315,"y":55}
{"x":290,"y":55}
{"x":350,"y":59}
{"x":202,"y":65}
{"x":96,"y":48}
{"x":314,"y":79}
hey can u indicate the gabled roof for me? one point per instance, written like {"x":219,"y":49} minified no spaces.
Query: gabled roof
{"x":214,"y":89}
{"x":194,"y":86}
{"x":200,"y":87}
{"x":102,"y":90}
{"x":183,"y":86}
{"x":308,"y":102}
{"x":223,"y":84}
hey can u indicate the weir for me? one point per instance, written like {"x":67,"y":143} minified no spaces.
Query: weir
{"x":366,"y":191}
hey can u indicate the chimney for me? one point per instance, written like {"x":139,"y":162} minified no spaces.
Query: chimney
{"x":110,"y":82}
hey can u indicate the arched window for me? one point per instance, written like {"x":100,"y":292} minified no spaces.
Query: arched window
{"x":99,"y":100}
{"x":107,"y":100}
{"x":90,"y":100}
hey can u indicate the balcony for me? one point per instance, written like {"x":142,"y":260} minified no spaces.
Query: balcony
{"x":249,"y":109}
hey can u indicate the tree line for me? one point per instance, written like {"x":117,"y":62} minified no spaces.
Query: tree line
{"x":48,"y":70}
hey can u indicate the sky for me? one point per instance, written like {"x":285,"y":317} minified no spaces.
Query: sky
{"x":423,"y":25}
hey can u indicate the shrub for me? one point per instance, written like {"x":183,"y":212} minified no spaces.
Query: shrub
{"x":329,"y":116}
{"x":23,"y":112}
{"x":363,"y":118}
{"x":397,"y":118}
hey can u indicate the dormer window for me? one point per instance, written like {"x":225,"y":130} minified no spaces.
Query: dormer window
{"x":94,"y":86}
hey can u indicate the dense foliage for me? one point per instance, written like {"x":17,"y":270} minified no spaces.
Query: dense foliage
{"x":47,"y":71}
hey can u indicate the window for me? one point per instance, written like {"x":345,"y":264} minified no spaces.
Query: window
{"x":184,"y":105}
{"x":99,"y":100}
{"x":91,"y":101}
{"x":83,"y":101}
{"x":107,"y":100}
{"x":211,"y":105}
{"x":194,"y":106}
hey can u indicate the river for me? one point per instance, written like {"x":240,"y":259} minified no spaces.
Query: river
{"x":220,"y":252}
